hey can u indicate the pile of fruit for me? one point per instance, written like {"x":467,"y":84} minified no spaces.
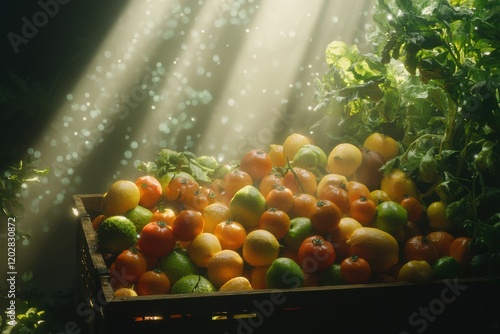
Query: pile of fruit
{"x":292,"y":216}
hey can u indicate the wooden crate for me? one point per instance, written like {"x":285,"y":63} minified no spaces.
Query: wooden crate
{"x":467,"y":304}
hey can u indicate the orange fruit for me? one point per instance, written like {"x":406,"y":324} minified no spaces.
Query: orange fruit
{"x":150,"y":190}
{"x":202,"y":248}
{"x":165,"y":215}
{"x":97,"y":221}
{"x":355,"y":270}
{"x":363,"y":210}
{"x":260,"y":248}
{"x":326,"y":216}
{"x":336,"y":194}
{"x":256,"y":163}
{"x":231,"y":234}
{"x":280,"y":198}
{"x":194,"y":199}
{"x":213,"y":214}
{"x":344,"y":159}
{"x":275,"y":221}
{"x":258,"y":277}
{"x":335,"y":180}
{"x":188,"y":224}
{"x":239,"y":283}
{"x":223,"y":266}
{"x":377,"y":247}
{"x":460,"y":250}
{"x":121,"y":196}
{"x":442,"y":240}
{"x":177,"y":185}
{"x":153,"y":282}
{"x":300,"y":180}
{"x":292,"y":145}
{"x":270,"y":182}
{"x":235,"y":180}
{"x":276,"y":154}
{"x":414,"y":208}
{"x":129,"y":265}
{"x":384,"y":145}
{"x":303,"y":205}
{"x":357,"y":190}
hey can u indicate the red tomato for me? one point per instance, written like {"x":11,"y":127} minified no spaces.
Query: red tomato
{"x":156,"y":239}
{"x":316,"y":254}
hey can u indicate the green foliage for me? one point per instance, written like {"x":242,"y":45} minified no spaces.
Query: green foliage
{"x":432,"y":83}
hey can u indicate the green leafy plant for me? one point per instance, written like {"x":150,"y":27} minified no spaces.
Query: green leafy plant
{"x":432,"y":82}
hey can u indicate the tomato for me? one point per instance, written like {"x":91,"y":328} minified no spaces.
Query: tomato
{"x":442,"y":240}
{"x":275,"y":221}
{"x":150,"y":190}
{"x":280,"y":198}
{"x":234,"y":181}
{"x":256,"y":163}
{"x":153,"y":282}
{"x":363,"y":210}
{"x":325,"y":216}
{"x":420,"y":248}
{"x":413,"y":207}
{"x":460,"y":250}
{"x":315,"y":254}
{"x":355,"y":270}
{"x":165,"y":215}
{"x":156,"y":239}
{"x":337,"y":194}
{"x":129,"y":265}
{"x":270,"y":182}
{"x":177,"y":186}
{"x":194,"y":199}
{"x":303,"y":205}
{"x":356,"y":190}
{"x":188,"y":224}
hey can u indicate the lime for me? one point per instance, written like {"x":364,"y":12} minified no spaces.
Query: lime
{"x":331,"y":276}
{"x":300,"y":228}
{"x":192,"y":284}
{"x":115,"y":234}
{"x":140,"y":216}
{"x":310,"y":157}
{"x":446,"y":267}
{"x":284,"y":273}
{"x":247,"y":205}
{"x":391,"y":216}
{"x":177,"y":264}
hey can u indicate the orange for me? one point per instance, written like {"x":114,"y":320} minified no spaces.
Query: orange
{"x":344,"y":159}
{"x":384,"y":145}
{"x":270,"y":182}
{"x":194,"y":199}
{"x":303,"y":205}
{"x":235,"y":180}
{"x":177,"y":185}
{"x":97,"y":221}
{"x":163,"y":214}
{"x":260,"y":248}
{"x":377,"y":247}
{"x":188,"y":224}
{"x":202,"y":248}
{"x":280,"y":198}
{"x":292,"y":145}
{"x":414,"y":208}
{"x":239,"y":283}
{"x":256,"y":163}
{"x":223,"y":266}
{"x":442,"y":240}
{"x":258,"y":277}
{"x":357,"y":190}
{"x":275,"y":221}
{"x":231,"y":234}
{"x":129,"y":265}
{"x":363,"y":210}
{"x":300,"y":180}
{"x":150,"y":190}
{"x":460,"y":250}
{"x":326,"y":216}
{"x":355,"y":270}
{"x":121,"y":196}
{"x":153,"y":282}
{"x":276,"y":154}
{"x":338,"y":195}
{"x":213,"y":214}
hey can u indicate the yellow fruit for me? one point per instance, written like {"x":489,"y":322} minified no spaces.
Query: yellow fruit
{"x":292,"y":145}
{"x":276,"y":154}
{"x":213,"y":214}
{"x":347,"y":225}
{"x":344,"y":159}
{"x":379,"y":196}
{"x":397,"y":185}
{"x":239,"y":283}
{"x":335,"y":180}
{"x":223,"y":266}
{"x":202,"y":248}
{"x":384,"y":145}
{"x":260,"y":248}
{"x":377,"y":247}
{"x":415,"y":271}
{"x":436,"y":214}
{"x":125,"y":292}
{"x":122,"y":195}
{"x":247,"y":205}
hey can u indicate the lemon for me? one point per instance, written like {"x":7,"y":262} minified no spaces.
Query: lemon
{"x":213,"y":214}
{"x":115,"y":234}
{"x":125,"y":292}
{"x":415,"y":271}
{"x":378,"y":247}
{"x":239,"y":283}
{"x":201,"y":249}
{"x":397,"y":185}
{"x":140,"y":216}
{"x":260,"y":248}
{"x":192,"y":284}
{"x":121,"y":196}
{"x":284,"y":273}
{"x":438,"y":219}
{"x":292,"y":145}
{"x":344,"y":159}
{"x":247,"y":205}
